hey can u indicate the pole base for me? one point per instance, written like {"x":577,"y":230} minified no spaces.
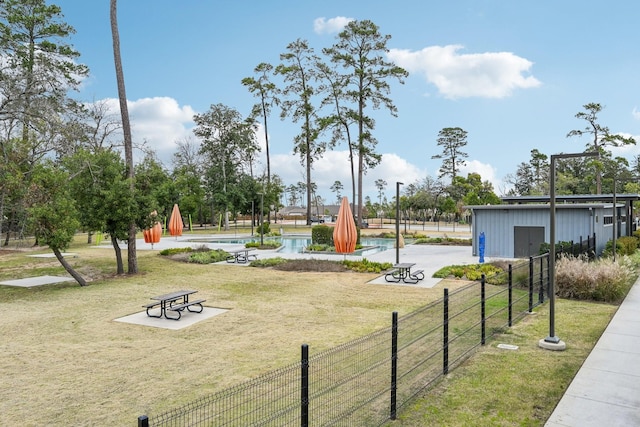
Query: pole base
{"x":552,"y":343}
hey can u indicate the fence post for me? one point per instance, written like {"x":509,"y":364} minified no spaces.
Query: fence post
{"x":143,"y":421}
{"x":482,"y":310}
{"x":530,"y":284}
{"x":542,"y":269}
{"x":510,"y":295}
{"x":304,"y":386}
{"x":445,"y":333}
{"x":394,"y":362}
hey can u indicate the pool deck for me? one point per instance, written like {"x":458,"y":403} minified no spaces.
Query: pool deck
{"x":429,"y":258}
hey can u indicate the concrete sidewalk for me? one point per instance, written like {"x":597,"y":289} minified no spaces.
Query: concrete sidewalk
{"x":606,"y":389}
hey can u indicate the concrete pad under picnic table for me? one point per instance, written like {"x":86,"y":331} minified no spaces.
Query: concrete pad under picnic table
{"x":187,"y":319}
{"x":29,"y":282}
{"x":52,"y":255}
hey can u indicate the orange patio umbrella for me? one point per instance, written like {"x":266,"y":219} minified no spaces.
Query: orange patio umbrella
{"x":152,"y":235}
{"x":175,"y":222}
{"x":345,"y":234}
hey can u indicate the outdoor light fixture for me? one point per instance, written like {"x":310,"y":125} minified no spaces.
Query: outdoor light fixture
{"x":398,"y":184}
{"x":552,"y":342}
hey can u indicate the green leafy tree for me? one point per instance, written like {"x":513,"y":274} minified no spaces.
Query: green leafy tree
{"x":298,"y":71}
{"x":360,"y":52}
{"x":38,"y":69}
{"x":226,"y":140}
{"x":52,"y":213}
{"x":339,"y":122}
{"x":267,"y":92}
{"x":153,"y":180}
{"x":381,"y":184}
{"x":337,"y":187}
{"x":601,"y":137}
{"x":452,"y":141}
{"x":103,"y":197}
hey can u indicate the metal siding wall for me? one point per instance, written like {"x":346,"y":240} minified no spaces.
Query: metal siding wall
{"x":571,"y":224}
{"x":497,"y":237}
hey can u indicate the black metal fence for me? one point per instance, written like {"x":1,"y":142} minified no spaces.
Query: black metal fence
{"x":366,"y":381}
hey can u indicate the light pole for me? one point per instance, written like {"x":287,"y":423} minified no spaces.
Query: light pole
{"x":261,"y":219}
{"x":253,"y":215}
{"x":552,"y":342}
{"x":398,"y":184}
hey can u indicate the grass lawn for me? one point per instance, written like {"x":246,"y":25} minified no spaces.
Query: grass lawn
{"x":497,"y":387}
{"x":67,"y":362}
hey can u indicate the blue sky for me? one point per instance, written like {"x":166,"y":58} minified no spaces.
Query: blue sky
{"x":512,"y":74}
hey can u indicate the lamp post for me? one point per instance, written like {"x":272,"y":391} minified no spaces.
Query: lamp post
{"x":261,"y":219}
{"x":398,"y":184}
{"x":552,"y":342}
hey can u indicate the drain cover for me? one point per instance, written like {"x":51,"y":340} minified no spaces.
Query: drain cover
{"x":508,"y":346}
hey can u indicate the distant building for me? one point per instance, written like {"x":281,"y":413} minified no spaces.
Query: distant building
{"x":517,"y":229}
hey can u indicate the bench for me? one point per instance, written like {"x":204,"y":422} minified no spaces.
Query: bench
{"x":175,"y":302}
{"x":179,"y":307}
{"x":241,"y":256}
{"x":392,"y":276}
{"x":150,"y":306}
{"x":182,"y":306}
{"x":418,"y":274}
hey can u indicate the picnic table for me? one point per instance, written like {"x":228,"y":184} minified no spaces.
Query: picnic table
{"x":241,"y":256}
{"x":402,"y":272}
{"x":174,"y":302}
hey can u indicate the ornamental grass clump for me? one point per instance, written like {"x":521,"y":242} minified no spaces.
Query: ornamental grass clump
{"x":602,"y":280}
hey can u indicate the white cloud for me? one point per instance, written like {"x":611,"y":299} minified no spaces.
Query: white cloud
{"x":330,"y":26}
{"x":635,"y":113}
{"x":334,"y":166}
{"x":628,"y":151}
{"x":159,"y":121}
{"x":489,"y":75}
{"x":486,"y":172}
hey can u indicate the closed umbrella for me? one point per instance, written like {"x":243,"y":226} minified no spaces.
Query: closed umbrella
{"x":345,"y":234}
{"x":152,"y":235}
{"x":175,"y":222}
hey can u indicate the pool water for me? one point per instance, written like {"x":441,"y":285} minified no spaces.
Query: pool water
{"x":295,"y":244}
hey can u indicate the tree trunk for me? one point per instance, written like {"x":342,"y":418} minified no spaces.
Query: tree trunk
{"x":116,"y":248}
{"x":126,"y":129}
{"x":68,"y":267}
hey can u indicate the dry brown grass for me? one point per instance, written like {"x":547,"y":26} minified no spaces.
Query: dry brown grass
{"x":67,"y":362}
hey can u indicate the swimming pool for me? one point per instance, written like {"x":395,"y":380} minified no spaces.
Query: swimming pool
{"x":295,"y":244}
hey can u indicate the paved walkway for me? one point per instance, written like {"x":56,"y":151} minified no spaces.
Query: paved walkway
{"x":606,"y":390}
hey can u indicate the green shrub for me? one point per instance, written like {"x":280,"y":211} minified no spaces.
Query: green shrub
{"x":322,"y":235}
{"x":208,"y":257}
{"x":560,"y":247}
{"x":266,"y":229}
{"x":173,"y":251}
{"x":268,"y":262}
{"x":608,"y":248}
{"x":602,"y":280}
{"x":266,"y":244}
{"x":366,"y":266}
{"x":319,"y":247}
{"x":629,"y":245}
{"x":472,"y":272}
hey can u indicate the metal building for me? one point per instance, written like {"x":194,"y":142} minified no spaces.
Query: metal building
{"x":518,"y":230}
